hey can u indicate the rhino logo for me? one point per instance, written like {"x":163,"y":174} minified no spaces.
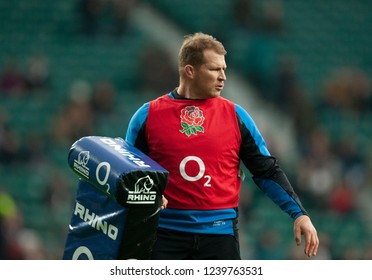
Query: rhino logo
{"x":81,"y":162}
{"x":83,"y":158}
{"x":143,"y":185}
{"x":142,"y":193}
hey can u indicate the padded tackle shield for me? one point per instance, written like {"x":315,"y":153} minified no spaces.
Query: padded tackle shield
{"x":118,"y":200}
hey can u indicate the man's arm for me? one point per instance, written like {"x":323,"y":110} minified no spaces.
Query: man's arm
{"x":137,"y":128}
{"x":271,"y":179}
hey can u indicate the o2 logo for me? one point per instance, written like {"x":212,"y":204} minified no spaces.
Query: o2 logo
{"x":103,"y":181}
{"x":82,"y":250}
{"x":200,"y":175}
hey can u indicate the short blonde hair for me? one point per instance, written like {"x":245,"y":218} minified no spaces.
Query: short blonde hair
{"x":191,"y":51}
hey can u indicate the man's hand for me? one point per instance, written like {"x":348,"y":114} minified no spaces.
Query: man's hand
{"x":303,"y":226}
{"x":165,"y":203}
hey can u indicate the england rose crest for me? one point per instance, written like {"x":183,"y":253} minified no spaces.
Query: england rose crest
{"x":192,"y":120}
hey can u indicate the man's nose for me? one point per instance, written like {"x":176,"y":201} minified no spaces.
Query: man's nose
{"x":222,"y":75}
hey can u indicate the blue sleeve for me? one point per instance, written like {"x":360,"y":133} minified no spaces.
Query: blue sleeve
{"x":251,"y":126}
{"x":266,"y":172}
{"x":136,"y":123}
{"x":287,"y":201}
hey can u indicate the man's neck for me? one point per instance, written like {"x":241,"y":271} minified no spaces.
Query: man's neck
{"x":176,"y":95}
{"x":185,"y":93}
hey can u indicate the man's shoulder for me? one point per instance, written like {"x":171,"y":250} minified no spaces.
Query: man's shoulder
{"x":223,"y":101}
{"x":161,"y":98}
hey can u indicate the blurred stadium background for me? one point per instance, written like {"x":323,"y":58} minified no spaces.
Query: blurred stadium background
{"x":302,"y":69}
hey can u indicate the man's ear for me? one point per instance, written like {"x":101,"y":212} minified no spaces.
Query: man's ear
{"x":189,"y":71}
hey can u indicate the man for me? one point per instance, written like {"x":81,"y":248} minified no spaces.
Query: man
{"x":200,"y":138}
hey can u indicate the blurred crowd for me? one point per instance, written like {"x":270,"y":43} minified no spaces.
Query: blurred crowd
{"x":105,"y":16}
{"x":332,"y":175}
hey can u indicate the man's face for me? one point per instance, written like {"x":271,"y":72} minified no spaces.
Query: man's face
{"x":209,"y":78}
